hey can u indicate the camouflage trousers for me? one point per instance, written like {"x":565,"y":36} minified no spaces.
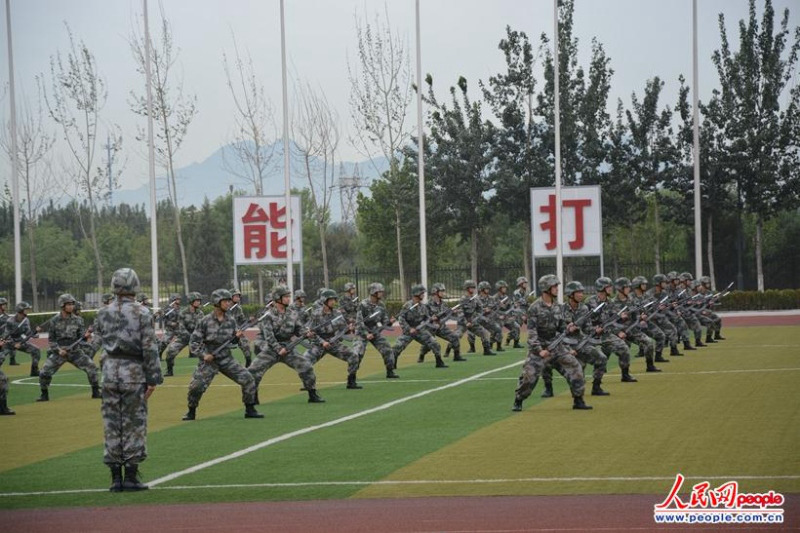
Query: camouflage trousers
{"x":422,"y":336}
{"x":513,"y":330}
{"x":657,"y":334}
{"x":647,"y":346}
{"x":681,"y":327}
{"x":339,"y":351}
{"x":711,"y":321}
{"x":77,"y":357}
{"x":445,"y":333}
{"x":668,"y":328}
{"x":178,"y":343}
{"x":493,"y":329}
{"x":230,"y":368}
{"x":588,"y":355}
{"x":475,"y":330}
{"x":3,"y":386}
{"x":693,"y":324}
{"x":28,"y":348}
{"x":613,"y":344}
{"x":381,"y":344}
{"x":266,"y":359}
{"x":562,"y":361}
{"x":124,"y":412}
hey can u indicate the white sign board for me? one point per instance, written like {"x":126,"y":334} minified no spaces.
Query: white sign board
{"x":581,"y":218}
{"x":259,"y":230}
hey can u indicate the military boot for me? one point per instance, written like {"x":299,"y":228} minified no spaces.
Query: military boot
{"x":35,"y":369}
{"x":116,"y":478}
{"x":191,"y":414}
{"x":660,"y":357}
{"x":627,"y":378}
{"x":709,"y":338}
{"x":698,"y":342}
{"x":45,"y":396}
{"x":457,"y":355}
{"x":4,"y":410}
{"x":96,"y":391}
{"x":422,"y":352}
{"x":487,"y":349}
{"x":351,"y":382}
{"x":472,"y":348}
{"x":131,"y":482}
{"x":597,"y":390}
{"x":13,"y":360}
{"x":579,"y":404}
{"x":517,"y":405}
{"x":391,"y":374}
{"x":250,"y":411}
{"x":500,"y":347}
{"x":517,"y":344}
{"x":548,"y":390}
{"x":673,"y":351}
{"x":170,"y":368}
{"x":687,"y":346}
{"x":718,"y":336}
{"x":508,"y":340}
{"x":651,"y":367}
{"x":313,"y":397}
{"x":439,"y":362}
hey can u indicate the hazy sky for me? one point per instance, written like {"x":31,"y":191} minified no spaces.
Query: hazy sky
{"x":643,"y":38}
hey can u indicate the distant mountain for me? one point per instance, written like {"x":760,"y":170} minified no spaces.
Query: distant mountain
{"x":217,"y":174}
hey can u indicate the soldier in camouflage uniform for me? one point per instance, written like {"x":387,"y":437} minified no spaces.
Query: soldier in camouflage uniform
{"x":440,"y":312}
{"x":639,"y":297}
{"x":545,"y":323}
{"x":471,"y":317}
{"x":131,"y":372}
{"x":275,"y":333}
{"x":171,"y":324}
{"x":574,"y":311}
{"x":348,"y":304}
{"x":673,"y":312}
{"x":329,"y":325}
{"x":610,"y":331}
{"x":237,"y":313}
{"x":299,"y":306}
{"x":520,"y":299}
{"x":489,"y":318}
{"x":210,"y":342}
{"x":4,"y":410}
{"x":17,"y":332}
{"x":716,"y":328}
{"x":66,"y":333}
{"x":689,"y":310}
{"x":662,"y":320}
{"x":504,"y":303}
{"x":371,"y":318}
{"x":415,"y":320}
{"x":187,"y":322}
{"x":632,"y":324}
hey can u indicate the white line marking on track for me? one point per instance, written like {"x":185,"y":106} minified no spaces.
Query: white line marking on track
{"x":390,"y":482}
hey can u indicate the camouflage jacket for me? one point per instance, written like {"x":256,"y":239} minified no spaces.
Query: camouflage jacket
{"x":127,"y":333}
{"x":210,"y":334}
{"x":471,"y":308}
{"x":189,"y":320}
{"x":545,"y":323}
{"x":302,"y":313}
{"x":65,"y":330}
{"x":322,"y":324}
{"x":488,"y":307}
{"x":411,"y":318}
{"x":278,"y":328}
{"x":172,"y":321}
{"x":520,"y":300}
{"x":605,"y":314}
{"x":237,"y":313}
{"x":13,"y":331}
{"x":349,"y":308}
{"x":504,"y":305}
{"x":573,"y":315}
{"x":371,"y":317}
{"x":440,"y":309}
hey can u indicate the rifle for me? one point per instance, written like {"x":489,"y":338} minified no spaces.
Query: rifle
{"x":721,"y":294}
{"x":292,"y":344}
{"x":438,"y":316}
{"x":248,"y":324}
{"x":609,"y":322}
{"x":654,"y":313}
{"x":563,"y":336}
{"x":637,"y":308}
{"x":7,"y":336}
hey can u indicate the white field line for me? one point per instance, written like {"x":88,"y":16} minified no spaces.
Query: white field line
{"x":398,"y":482}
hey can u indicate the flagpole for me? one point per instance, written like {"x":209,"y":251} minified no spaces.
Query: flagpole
{"x":14,"y":165}
{"x":698,"y":223}
{"x":151,"y":159}
{"x":286,"y":175}
{"x":423,"y":231}
{"x":557,"y":123}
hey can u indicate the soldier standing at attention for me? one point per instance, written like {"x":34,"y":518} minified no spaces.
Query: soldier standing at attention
{"x":371,"y":317}
{"x":411,"y":319}
{"x":440,"y":312}
{"x":66,"y":334}
{"x":274,"y":333}
{"x":210,"y":342}
{"x":328,"y":325}
{"x":545,"y":323}
{"x":17,"y":333}
{"x":187,"y":322}
{"x":238,"y":315}
{"x":131,"y":372}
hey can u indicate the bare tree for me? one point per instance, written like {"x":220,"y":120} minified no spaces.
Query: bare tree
{"x":380,"y":95}
{"x":315,"y":131}
{"x":33,"y":146}
{"x":76,"y":97}
{"x":172,"y":112}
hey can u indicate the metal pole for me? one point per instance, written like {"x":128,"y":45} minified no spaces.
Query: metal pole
{"x":151,"y":159}
{"x":698,"y":223}
{"x":287,"y":182}
{"x":14,"y":164}
{"x":557,"y":123}
{"x":423,"y":232}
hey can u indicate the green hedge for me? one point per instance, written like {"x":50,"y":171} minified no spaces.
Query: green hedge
{"x":761,"y":301}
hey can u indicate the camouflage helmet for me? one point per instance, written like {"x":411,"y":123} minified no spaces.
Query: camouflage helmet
{"x":437,"y":288}
{"x":106,"y":299}
{"x":124,"y":281}
{"x":299,"y":294}
{"x":174,"y":298}
{"x":142,"y":298}
{"x":78,"y":306}
{"x":220,"y":294}
{"x":349,"y":286}
{"x":279,"y":292}
{"x":22,"y":306}
{"x":234,"y":291}
{"x":696,"y":284}
{"x":658,"y":279}
{"x":603,"y":282}
{"x":547,"y":282}
{"x":484,"y":286}
{"x":192,"y":296}
{"x":686,"y":276}
{"x":65,"y":299}
{"x":375,"y":288}
{"x":672,"y":275}
{"x":521,"y":280}
{"x":418,"y":290}
{"x":469,"y":284}
{"x":500,"y":284}
{"x":320,"y":291}
{"x":327,"y":294}
{"x":3,"y":301}
{"x":638,"y":281}
{"x":705,"y":280}
{"x":572,"y":287}
{"x":621,"y":283}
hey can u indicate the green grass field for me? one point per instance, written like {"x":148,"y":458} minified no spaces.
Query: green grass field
{"x":727,"y":412}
